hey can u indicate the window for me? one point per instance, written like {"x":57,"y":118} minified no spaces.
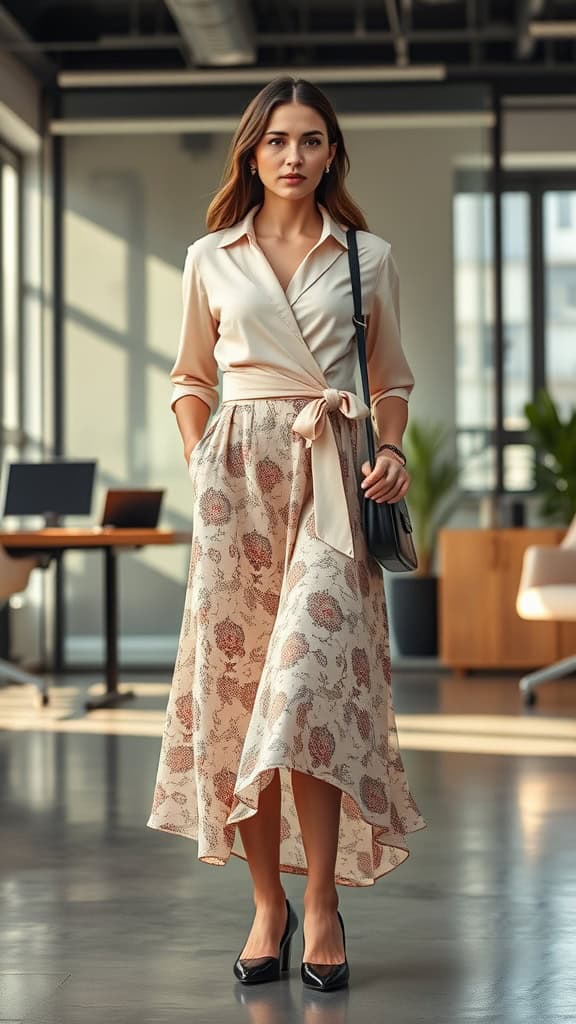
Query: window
{"x":560,"y":297}
{"x":539,"y":321}
{"x":564,"y":208}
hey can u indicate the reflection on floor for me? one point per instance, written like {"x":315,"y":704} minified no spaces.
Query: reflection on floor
{"x":104,"y":920}
{"x":529,"y":732}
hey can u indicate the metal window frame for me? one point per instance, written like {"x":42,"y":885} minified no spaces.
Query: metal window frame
{"x":536,"y":184}
{"x":14,"y":160}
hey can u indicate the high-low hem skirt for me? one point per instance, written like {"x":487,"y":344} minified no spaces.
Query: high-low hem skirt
{"x":283,"y":656}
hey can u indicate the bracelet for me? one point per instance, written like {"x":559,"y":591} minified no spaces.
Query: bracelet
{"x":393,"y":448}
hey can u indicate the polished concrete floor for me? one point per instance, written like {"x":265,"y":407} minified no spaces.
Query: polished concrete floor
{"x":104,"y":920}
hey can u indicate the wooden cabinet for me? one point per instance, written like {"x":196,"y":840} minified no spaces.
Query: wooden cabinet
{"x":478,"y":622}
{"x":567,"y":640}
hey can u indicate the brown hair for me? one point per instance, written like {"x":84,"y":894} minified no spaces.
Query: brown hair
{"x":240,"y":190}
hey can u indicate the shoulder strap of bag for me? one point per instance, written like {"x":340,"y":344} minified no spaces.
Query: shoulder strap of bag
{"x":360,"y":327}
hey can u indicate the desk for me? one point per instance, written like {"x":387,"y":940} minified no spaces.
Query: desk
{"x":109,"y":540}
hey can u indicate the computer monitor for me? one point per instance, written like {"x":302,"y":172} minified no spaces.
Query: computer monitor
{"x":132,"y":508}
{"x":54,"y":489}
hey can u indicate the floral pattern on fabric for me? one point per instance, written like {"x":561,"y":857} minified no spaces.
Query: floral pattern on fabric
{"x":283,"y":657}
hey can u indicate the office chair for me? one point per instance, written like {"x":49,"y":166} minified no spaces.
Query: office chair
{"x":547,"y":591}
{"x":14,"y":576}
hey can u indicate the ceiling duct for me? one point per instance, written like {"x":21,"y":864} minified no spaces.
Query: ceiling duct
{"x":217,"y":32}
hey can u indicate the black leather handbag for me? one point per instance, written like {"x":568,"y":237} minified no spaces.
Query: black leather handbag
{"x":386,"y":526}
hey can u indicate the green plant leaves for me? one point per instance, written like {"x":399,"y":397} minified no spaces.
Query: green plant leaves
{"x":432,"y":493}
{"x":555,"y":467}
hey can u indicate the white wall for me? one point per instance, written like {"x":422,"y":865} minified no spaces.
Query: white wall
{"x":540,"y":131}
{"x":132,"y":206}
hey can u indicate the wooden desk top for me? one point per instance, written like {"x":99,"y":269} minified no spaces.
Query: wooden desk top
{"x":92,"y":537}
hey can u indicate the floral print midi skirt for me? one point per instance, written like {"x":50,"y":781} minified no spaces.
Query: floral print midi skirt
{"x":283,"y":659}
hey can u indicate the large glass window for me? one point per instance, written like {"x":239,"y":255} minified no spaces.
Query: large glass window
{"x":560,"y":293}
{"x":475,"y":408}
{"x":539,"y":321}
{"x":517,"y":308}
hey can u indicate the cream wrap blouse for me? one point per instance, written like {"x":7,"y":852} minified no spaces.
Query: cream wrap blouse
{"x":295,"y":343}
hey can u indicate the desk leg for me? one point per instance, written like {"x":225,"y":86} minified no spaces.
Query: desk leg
{"x":59,"y":615}
{"x":112,"y":697}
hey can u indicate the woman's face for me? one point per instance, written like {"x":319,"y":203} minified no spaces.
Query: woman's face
{"x":294,"y":151}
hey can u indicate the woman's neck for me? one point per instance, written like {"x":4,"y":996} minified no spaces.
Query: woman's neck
{"x":286,"y":218}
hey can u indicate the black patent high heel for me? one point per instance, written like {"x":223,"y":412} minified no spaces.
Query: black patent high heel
{"x":256,"y":970}
{"x":327,"y":977}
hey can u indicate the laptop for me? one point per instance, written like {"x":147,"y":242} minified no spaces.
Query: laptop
{"x":132,"y":508}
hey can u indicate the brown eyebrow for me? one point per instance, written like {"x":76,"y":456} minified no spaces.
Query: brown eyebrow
{"x":316,"y":131}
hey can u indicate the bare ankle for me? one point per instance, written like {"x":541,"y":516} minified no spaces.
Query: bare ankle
{"x":321,"y":898}
{"x":269,"y":898}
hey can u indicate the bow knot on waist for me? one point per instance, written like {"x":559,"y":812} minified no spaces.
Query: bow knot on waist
{"x":331,"y":514}
{"x":332,"y":519}
{"x":311,"y":420}
{"x":333,"y":399}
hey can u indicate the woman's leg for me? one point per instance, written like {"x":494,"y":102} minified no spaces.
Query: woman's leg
{"x":261,"y":840}
{"x":318,"y":807}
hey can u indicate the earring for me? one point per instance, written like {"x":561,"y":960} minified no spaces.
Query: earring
{"x":327,"y":171}
{"x":252,"y":169}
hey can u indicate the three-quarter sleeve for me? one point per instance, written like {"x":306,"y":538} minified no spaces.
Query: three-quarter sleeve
{"x":195,"y":371}
{"x":388,"y":371}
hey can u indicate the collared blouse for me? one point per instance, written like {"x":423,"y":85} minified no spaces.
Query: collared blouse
{"x":299,"y":342}
{"x":236,"y":313}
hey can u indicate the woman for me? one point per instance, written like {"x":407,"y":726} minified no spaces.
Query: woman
{"x":280,"y":743}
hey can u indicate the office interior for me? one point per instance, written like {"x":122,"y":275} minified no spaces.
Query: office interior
{"x":460,"y":121}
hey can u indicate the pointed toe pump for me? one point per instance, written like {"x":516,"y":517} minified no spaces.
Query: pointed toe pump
{"x":255,"y":970}
{"x":327,"y":977}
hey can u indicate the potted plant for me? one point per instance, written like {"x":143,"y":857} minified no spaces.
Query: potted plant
{"x":554,"y":441}
{"x":431,"y":498}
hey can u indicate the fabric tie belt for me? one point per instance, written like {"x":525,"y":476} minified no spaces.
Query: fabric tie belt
{"x":331,"y":513}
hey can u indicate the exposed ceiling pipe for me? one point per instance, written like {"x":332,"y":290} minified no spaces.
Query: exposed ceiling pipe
{"x":450,"y":36}
{"x":146,"y":42}
{"x":553,"y":29}
{"x":406,"y":22}
{"x":400,"y":44}
{"x":216,"y":32}
{"x":472,"y":21}
{"x":247,"y":76}
{"x":171,"y":40}
{"x":359,"y":21}
{"x":527,"y":10}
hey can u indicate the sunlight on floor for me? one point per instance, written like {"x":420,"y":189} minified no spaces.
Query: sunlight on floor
{"x":476,"y":733}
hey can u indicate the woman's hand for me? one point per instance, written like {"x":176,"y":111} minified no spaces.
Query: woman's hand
{"x":388,"y":481}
